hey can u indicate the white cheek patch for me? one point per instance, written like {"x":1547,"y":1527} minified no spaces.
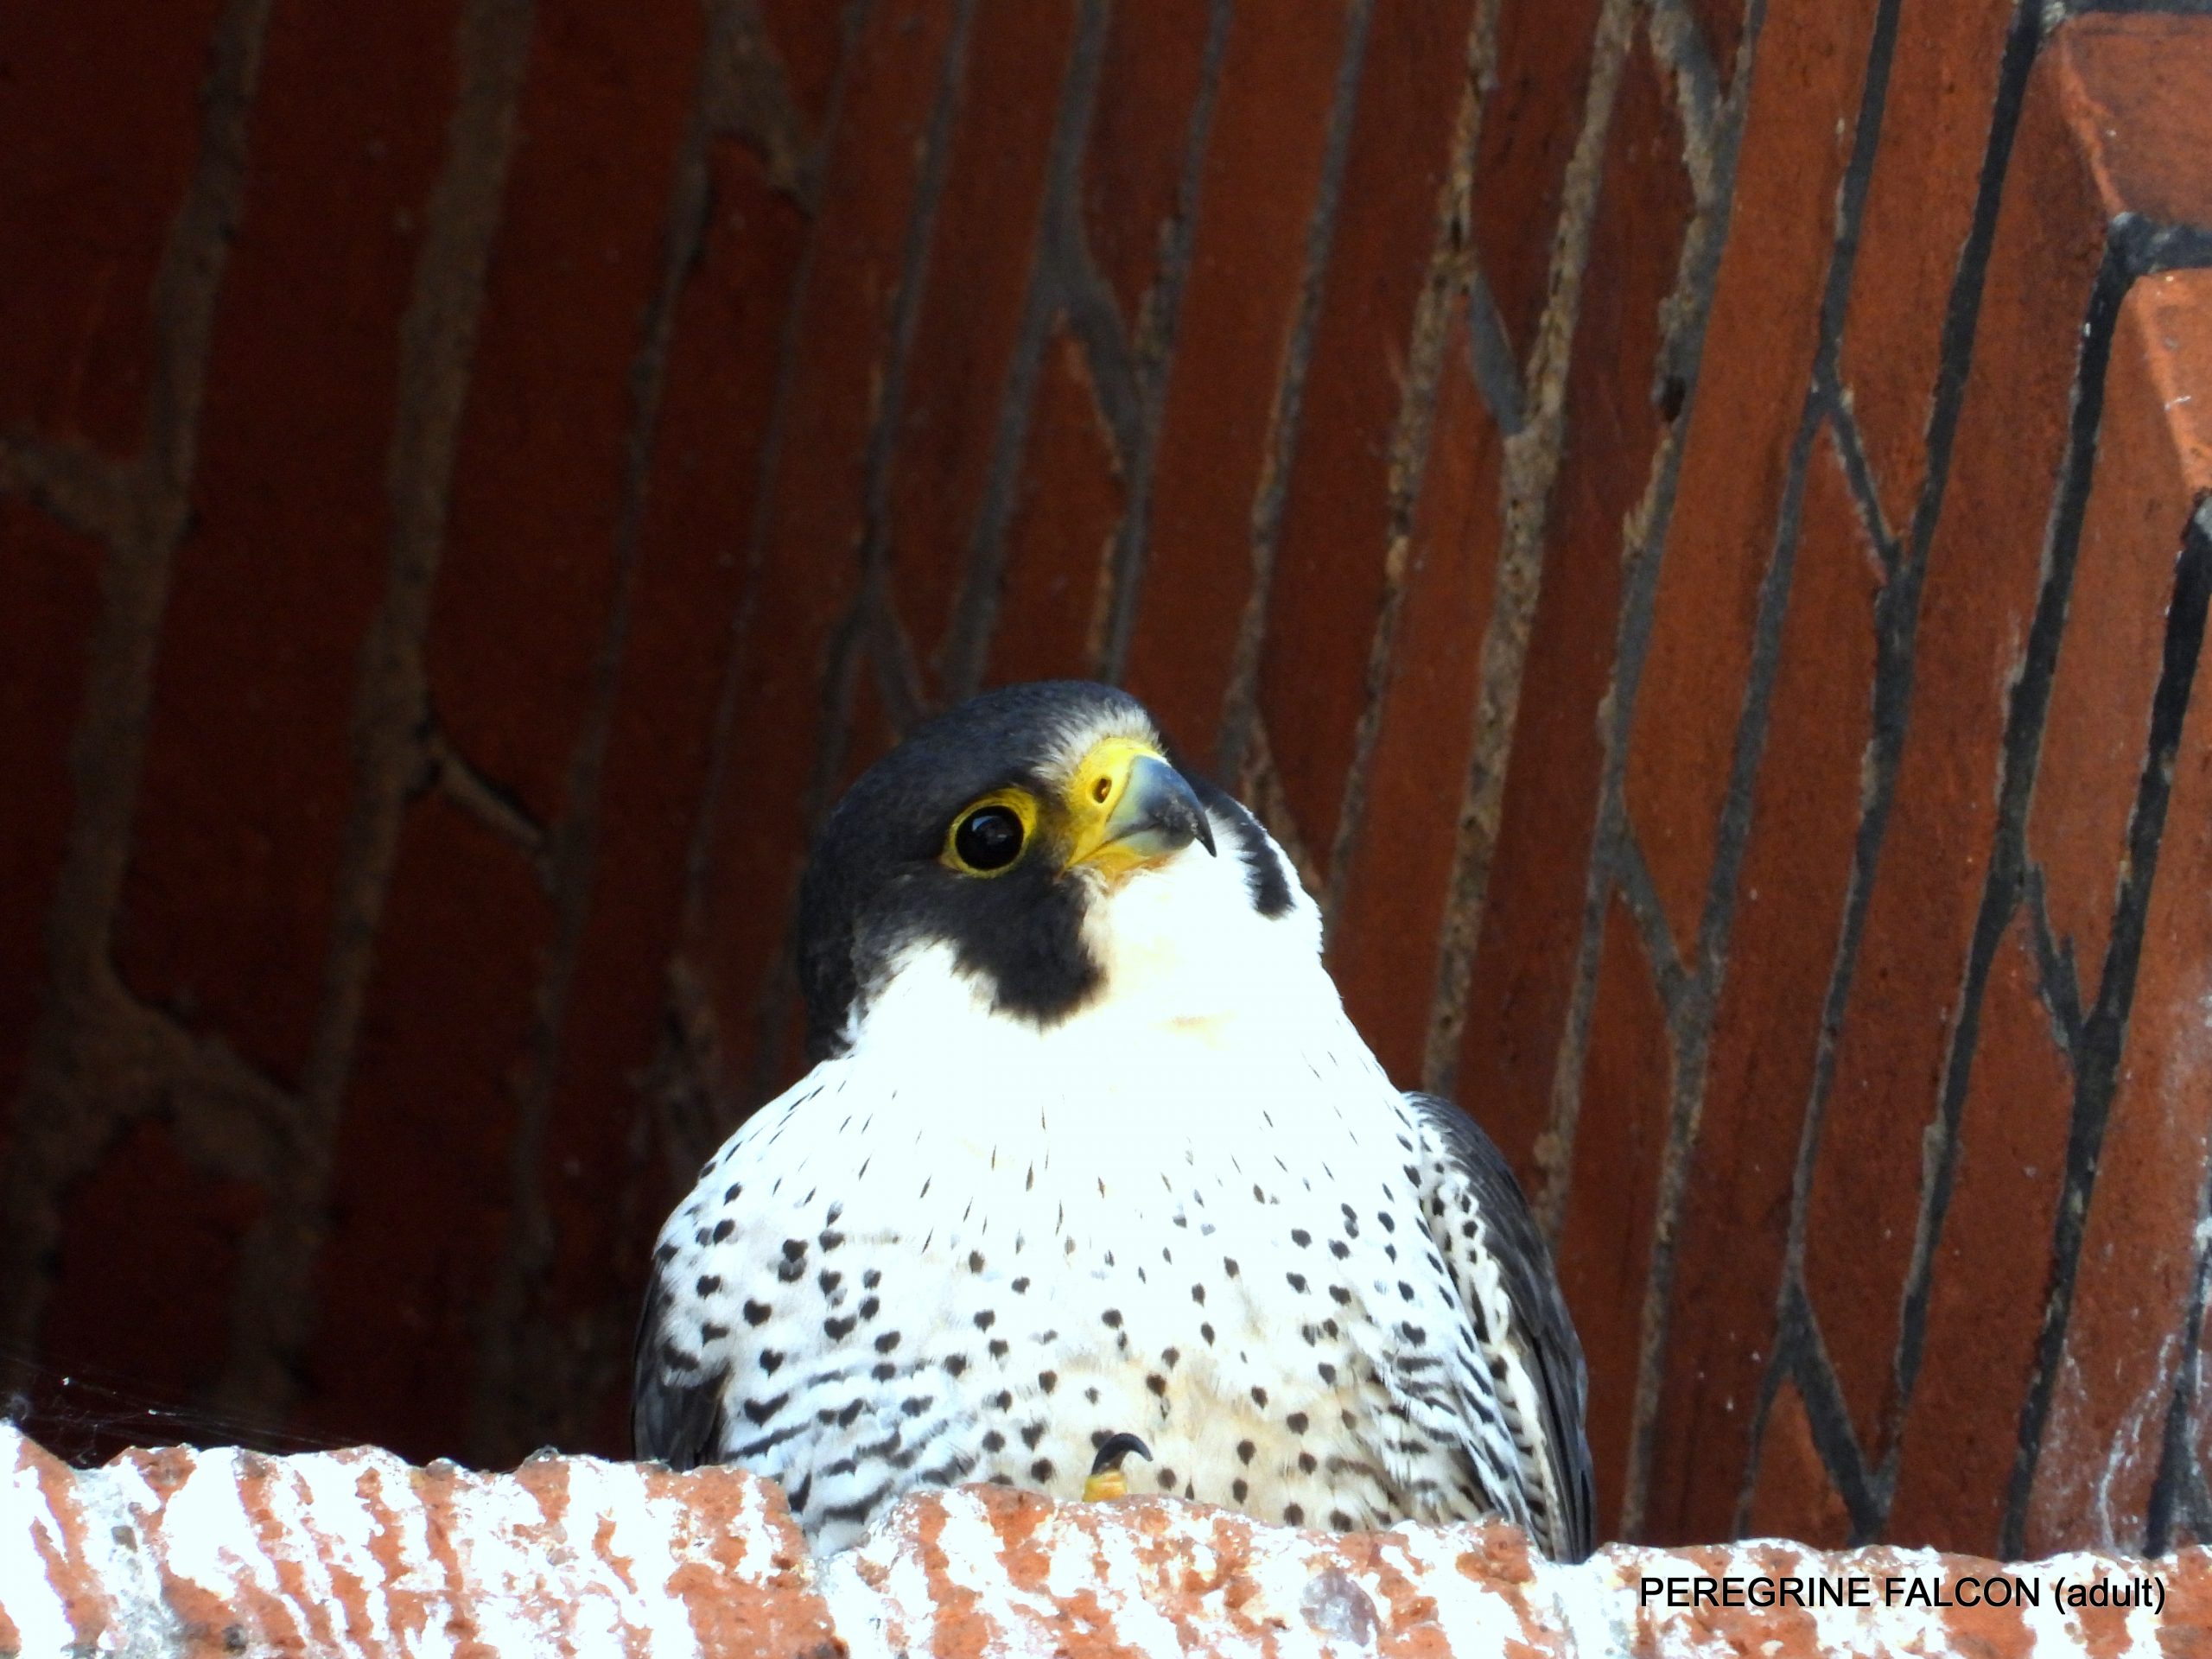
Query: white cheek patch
{"x":1183,"y":941}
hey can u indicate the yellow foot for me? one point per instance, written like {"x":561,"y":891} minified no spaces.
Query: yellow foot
{"x":1107,"y":1479}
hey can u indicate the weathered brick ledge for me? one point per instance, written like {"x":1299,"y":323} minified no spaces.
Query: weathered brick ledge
{"x":177,"y":1552}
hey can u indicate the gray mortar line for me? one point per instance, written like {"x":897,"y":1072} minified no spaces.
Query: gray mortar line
{"x":273,"y":1305}
{"x":780,"y":987}
{"x":78,"y":489}
{"x":1239,"y":712}
{"x":691,"y":1070}
{"x":1531,"y":459}
{"x":63,"y":1116}
{"x":1451,"y":267}
{"x":525,"y":1374}
{"x":963,"y":655}
{"x":1153,"y":350}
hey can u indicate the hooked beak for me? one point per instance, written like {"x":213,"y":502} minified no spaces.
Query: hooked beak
{"x":1131,"y":809}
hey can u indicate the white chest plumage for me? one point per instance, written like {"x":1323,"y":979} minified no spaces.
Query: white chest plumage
{"x":974,"y":1249}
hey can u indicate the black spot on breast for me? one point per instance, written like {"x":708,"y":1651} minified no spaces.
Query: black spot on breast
{"x":1112,"y":1317}
{"x":760,"y":1411}
{"x":1297,"y":1281}
{"x":838,"y":1330}
{"x":955,"y":1363}
{"x":1167,"y":1480}
{"x":1048,"y":1381}
{"x":997,"y":1346}
{"x":709,"y":1284}
{"x":770,"y":1359}
{"x":871,"y":1278}
{"x":1021,"y":1285}
{"x":986,"y":1319}
{"x":831,"y":1241}
{"x":829,"y":1279}
{"x":723,"y":1229}
{"x":1340,"y":1520}
{"x":1259,"y":1396}
{"x":1206,"y":1330}
{"x":793,"y":1248}
{"x":887,"y":1342}
{"x":974,"y":1261}
{"x":1229,"y":1266}
{"x":1156,"y":1383}
{"x":712,"y":1332}
{"x":993,"y":1440}
{"x":870,"y":1307}
{"x":1041,"y":1470}
{"x":1031,"y":1435}
{"x":1300,"y":1238}
{"x":1338,"y":1249}
{"x":1296,"y":1421}
{"x":1239,"y":1488}
{"x":884,"y":1372}
{"x":1246,"y":1451}
{"x":733,"y":1191}
{"x":1293,"y":1515}
{"x":757,"y":1313}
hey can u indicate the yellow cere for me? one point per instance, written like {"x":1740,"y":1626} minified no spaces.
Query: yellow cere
{"x":1093,"y":793}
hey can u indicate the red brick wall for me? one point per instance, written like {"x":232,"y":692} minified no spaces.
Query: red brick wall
{"x":1691,"y":522}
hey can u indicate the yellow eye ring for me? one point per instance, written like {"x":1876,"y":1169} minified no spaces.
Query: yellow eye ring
{"x":989,"y":835}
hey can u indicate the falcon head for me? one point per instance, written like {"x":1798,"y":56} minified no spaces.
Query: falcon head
{"x":1038,"y":851}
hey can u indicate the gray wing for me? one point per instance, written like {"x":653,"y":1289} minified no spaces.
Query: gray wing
{"x":675,"y":1397}
{"x":1463,"y":1162}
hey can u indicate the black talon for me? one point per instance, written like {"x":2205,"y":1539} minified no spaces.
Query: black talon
{"x":1110,"y":1454}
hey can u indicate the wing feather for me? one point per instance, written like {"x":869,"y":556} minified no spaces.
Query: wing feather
{"x":1541,"y":1340}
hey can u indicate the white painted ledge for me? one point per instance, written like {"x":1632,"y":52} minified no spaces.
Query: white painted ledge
{"x":227,"y":1553}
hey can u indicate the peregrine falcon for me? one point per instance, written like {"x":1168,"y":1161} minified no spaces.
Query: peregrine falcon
{"x":1090,"y":1149}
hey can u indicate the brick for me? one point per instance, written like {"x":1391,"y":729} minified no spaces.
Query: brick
{"x":2101,"y":1445}
{"x":1530,"y":125}
{"x":49,"y":604}
{"x":808,"y":40}
{"x":714,"y":418}
{"x":807,"y":576}
{"x":1935,"y":118}
{"x":527,"y":571}
{"x":1983,"y":572}
{"x":980,"y":252}
{"x":1758,"y":353}
{"x":1065,"y":518}
{"x":1382,"y":947}
{"x":1605,"y":1244}
{"x":1532,"y":917}
{"x":2133,"y":88}
{"x":1734,"y":1228}
{"x":247,"y":776}
{"x":1148,"y":87}
{"x":1329,"y":579}
{"x":2154,"y":464}
{"x":1262,"y":170}
{"x":427,"y":1130}
{"x":1795,"y":1497}
{"x":1986,"y":1303}
{"x":101,"y":128}
{"x":147,"y":1185}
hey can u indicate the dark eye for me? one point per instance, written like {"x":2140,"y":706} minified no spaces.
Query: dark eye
{"x":989,"y":839}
